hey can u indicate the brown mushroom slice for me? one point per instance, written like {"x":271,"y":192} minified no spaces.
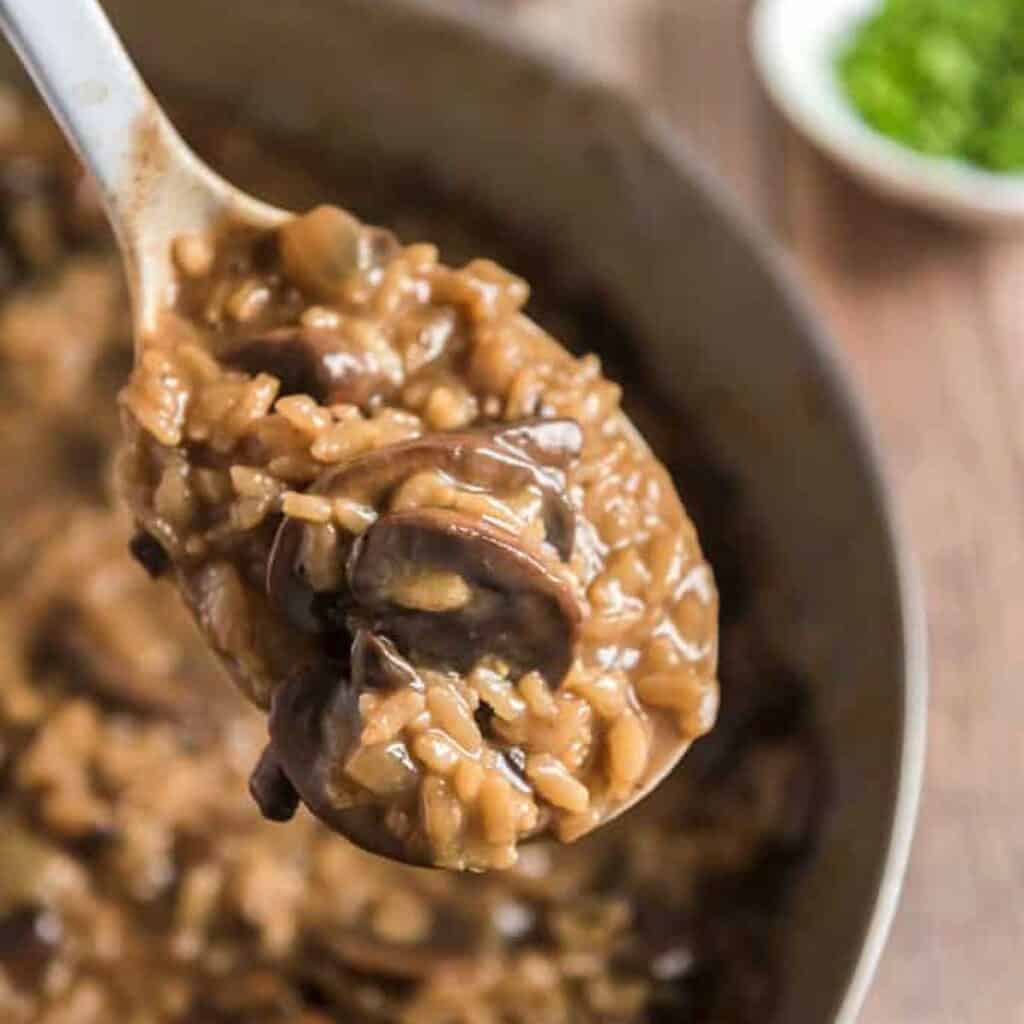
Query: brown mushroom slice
{"x":376,"y":665}
{"x":315,"y":727}
{"x":274,"y":794}
{"x":511,"y":604}
{"x":556,"y":443}
{"x":72,"y":638}
{"x":458,"y":930}
{"x":317,"y":361}
{"x":150,"y":554}
{"x":314,"y":723}
{"x":483,"y":458}
{"x":321,"y":250}
{"x":467,"y":456}
{"x":287,"y":586}
{"x":30,"y":939}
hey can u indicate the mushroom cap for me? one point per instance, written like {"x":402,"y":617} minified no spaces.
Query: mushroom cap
{"x":554,"y":443}
{"x":314,"y":726}
{"x":488,"y":459}
{"x":517,"y":607}
{"x":494,"y":459}
{"x":322,"y":248}
{"x":376,"y":665}
{"x":321,"y":362}
{"x":274,"y":794}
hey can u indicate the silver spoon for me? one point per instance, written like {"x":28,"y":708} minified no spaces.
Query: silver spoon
{"x":154,"y":186}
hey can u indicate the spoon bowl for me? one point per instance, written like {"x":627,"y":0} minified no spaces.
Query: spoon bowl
{"x":155,"y":191}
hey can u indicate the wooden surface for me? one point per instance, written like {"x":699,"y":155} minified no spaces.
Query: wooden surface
{"x":932,"y":321}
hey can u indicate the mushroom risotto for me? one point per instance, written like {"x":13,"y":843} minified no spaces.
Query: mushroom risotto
{"x":423,"y":536}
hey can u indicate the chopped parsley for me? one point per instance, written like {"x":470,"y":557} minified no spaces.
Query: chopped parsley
{"x":945,"y":77}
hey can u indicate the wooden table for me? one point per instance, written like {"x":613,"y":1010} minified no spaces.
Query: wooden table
{"x":932,"y":320}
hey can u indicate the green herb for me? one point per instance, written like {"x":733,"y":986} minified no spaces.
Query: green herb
{"x":945,"y":77}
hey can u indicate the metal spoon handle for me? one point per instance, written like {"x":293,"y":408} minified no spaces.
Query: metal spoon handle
{"x":90,"y":83}
{"x":154,"y":187}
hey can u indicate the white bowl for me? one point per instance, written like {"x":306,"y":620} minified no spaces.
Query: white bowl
{"x":795,"y":43}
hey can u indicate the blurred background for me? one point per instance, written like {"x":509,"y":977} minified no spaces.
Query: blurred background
{"x":929,"y":317}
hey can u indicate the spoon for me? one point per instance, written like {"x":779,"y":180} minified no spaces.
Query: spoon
{"x":154,"y":187}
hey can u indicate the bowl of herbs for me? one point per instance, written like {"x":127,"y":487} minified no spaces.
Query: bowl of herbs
{"x":923,"y":99}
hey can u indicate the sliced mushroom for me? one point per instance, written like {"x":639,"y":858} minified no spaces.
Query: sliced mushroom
{"x":470,"y":457}
{"x":74,"y":641}
{"x":149,"y":553}
{"x":275,"y":796}
{"x":288,"y":589}
{"x":321,"y":249}
{"x":512,"y":605}
{"x":320,"y":362}
{"x":314,"y":728}
{"x":554,"y":443}
{"x":314,"y":723}
{"x":494,"y":459}
{"x":376,"y":665}
{"x":30,"y":938}
{"x":458,"y":928}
